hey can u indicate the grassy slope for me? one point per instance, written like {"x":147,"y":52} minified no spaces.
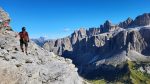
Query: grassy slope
{"x":136,"y":76}
{"x":133,"y":77}
{"x":98,"y":81}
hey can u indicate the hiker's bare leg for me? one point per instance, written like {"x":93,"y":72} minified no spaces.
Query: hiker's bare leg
{"x":26,"y":50}
{"x":26,"y":47}
{"x":21,"y":46}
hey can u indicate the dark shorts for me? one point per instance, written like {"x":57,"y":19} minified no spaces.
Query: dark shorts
{"x":23,"y":42}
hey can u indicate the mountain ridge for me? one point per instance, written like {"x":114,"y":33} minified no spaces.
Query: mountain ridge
{"x":106,"y":47}
{"x":106,"y":27}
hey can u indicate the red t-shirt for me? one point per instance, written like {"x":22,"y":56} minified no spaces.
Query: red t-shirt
{"x":24,"y":36}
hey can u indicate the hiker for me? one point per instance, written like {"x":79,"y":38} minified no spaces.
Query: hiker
{"x":24,"y":39}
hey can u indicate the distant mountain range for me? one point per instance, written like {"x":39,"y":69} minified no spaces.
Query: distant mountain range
{"x":108,"y":49}
{"x":107,"y":30}
{"x":40,"y":41}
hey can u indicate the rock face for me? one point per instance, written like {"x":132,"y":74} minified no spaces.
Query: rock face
{"x":72,"y":42}
{"x":38,"y":67}
{"x":106,"y":47}
{"x":93,"y":31}
{"x":4,"y":15}
{"x":67,"y":44}
{"x":126,"y":23}
{"x":81,"y":37}
{"x":107,"y":27}
{"x":4,"y":20}
{"x":141,"y":20}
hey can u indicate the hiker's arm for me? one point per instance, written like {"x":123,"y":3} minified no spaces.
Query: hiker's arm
{"x":28,"y":37}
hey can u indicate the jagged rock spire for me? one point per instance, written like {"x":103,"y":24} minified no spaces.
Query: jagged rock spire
{"x":126,"y":23}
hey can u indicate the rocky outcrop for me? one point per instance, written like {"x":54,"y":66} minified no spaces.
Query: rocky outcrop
{"x":78,"y":35}
{"x":66,"y":44}
{"x":93,"y":31}
{"x":4,"y":15}
{"x":58,"y":46}
{"x":142,"y":20}
{"x":107,"y":27}
{"x":126,"y":23}
{"x":145,"y":68}
{"x":4,"y":20}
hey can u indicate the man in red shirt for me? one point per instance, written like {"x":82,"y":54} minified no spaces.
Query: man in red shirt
{"x":24,"y":39}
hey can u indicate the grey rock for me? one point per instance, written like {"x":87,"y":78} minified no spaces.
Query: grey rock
{"x":4,"y":17}
{"x":145,"y":68}
{"x":93,"y":31}
{"x":78,"y":35}
{"x":126,"y":23}
{"x":38,"y":67}
{"x":108,"y":26}
{"x":142,"y":20}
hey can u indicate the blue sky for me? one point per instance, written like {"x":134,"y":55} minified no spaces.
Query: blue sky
{"x":59,"y":18}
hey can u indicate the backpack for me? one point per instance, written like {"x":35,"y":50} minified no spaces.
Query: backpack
{"x":24,"y":36}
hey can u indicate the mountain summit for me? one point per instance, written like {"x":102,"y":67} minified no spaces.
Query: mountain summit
{"x":141,"y":20}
